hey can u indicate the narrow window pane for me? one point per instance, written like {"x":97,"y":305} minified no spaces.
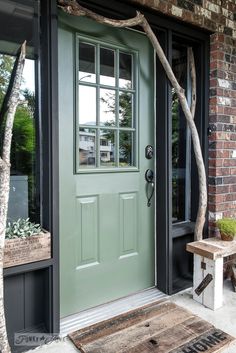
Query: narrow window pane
{"x":87,"y":148}
{"x":87,"y":105}
{"x":125,"y":70}
{"x":126,"y":149}
{"x":125,"y":109}
{"x":87,"y":65}
{"x":107,"y":67}
{"x":19,"y":22}
{"x":181,"y":161}
{"x":107,"y":148}
{"x":107,"y":107}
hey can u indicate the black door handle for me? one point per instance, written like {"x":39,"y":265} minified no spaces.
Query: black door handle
{"x":150,"y":187}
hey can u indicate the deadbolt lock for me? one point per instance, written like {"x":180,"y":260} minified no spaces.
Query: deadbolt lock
{"x":149,"y":151}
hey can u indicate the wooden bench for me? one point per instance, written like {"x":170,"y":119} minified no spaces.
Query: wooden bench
{"x":208,"y":270}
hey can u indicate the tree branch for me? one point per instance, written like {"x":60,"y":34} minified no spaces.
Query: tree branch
{"x":5,"y":104}
{"x":193,"y":81}
{"x":73,"y":8}
{"x":11,"y":102}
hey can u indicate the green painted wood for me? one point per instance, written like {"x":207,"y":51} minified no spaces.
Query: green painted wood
{"x":106,"y":229}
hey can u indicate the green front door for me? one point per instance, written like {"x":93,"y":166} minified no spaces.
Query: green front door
{"x":106,"y":120}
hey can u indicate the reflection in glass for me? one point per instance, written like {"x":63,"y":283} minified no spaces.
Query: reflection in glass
{"x":107,"y":67}
{"x":19,"y":22}
{"x":87,"y":148}
{"x":126,"y":149}
{"x":87,"y":105}
{"x":87,"y":62}
{"x":107,"y":107}
{"x":125,"y":70}
{"x":107,"y":148}
{"x":181,"y":156}
{"x":22,"y":180}
{"x":125,"y":109}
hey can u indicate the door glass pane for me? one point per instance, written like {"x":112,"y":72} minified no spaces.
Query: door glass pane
{"x":107,"y":107}
{"x":87,"y":105}
{"x":87,"y":148}
{"x":107,"y":67}
{"x":181,"y":156}
{"x":24,"y":178}
{"x":125,"y":109}
{"x":126,"y":149}
{"x":107,"y":148}
{"x":125,"y":70}
{"x":87,"y":62}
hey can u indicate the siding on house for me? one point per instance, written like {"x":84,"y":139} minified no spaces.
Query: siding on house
{"x":219,"y":17}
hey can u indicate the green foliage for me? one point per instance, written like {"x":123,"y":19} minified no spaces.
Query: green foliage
{"x":6,"y":66}
{"x":22,"y":228}
{"x":30,"y":99}
{"x":23,"y":139}
{"x":227,"y":226}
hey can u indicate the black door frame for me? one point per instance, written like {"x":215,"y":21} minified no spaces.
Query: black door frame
{"x":165,"y":27}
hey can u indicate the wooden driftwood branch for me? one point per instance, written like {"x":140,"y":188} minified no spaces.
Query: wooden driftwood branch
{"x":73,"y":8}
{"x":10,"y":106}
{"x":193,"y":81}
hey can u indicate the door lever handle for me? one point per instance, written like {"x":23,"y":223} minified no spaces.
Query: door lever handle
{"x":149,"y":175}
{"x":150,"y":187}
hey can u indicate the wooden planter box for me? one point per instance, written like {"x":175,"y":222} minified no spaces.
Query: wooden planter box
{"x":21,"y":251}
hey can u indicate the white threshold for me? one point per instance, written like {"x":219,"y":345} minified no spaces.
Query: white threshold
{"x":106,"y":311}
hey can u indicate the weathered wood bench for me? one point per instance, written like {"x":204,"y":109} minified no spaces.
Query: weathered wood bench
{"x":208,"y":270}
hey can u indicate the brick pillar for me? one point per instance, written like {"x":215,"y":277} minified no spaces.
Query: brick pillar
{"x":222,"y":142}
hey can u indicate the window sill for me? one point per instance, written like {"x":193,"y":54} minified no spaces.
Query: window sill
{"x":181,"y":229}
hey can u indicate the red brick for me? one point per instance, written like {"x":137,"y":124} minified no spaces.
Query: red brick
{"x":233,"y":171}
{"x":231,"y":162}
{"x":213,"y":64}
{"x":230,"y":197}
{"x":233,"y":137}
{"x":229,"y":111}
{"x":219,"y":154}
{"x":217,"y":198}
{"x":219,"y":189}
{"x":215,"y":162}
{"x":217,"y":55}
{"x":230,"y":144}
{"x":219,"y":171}
{"x":229,"y":179}
{"x":232,"y":188}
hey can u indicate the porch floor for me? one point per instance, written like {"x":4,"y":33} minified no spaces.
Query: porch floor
{"x":223,"y":318}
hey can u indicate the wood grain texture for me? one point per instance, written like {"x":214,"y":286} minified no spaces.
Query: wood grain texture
{"x":160,"y":327}
{"x":212,"y":248}
{"x":21,"y":251}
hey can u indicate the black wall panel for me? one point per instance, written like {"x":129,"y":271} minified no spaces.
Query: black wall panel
{"x":26,"y":303}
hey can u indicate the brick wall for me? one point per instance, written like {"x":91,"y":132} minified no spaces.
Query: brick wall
{"x":222,"y":142}
{"x":218,"y":16}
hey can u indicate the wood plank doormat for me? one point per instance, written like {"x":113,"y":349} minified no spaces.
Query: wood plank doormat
{"x":155,"y":328}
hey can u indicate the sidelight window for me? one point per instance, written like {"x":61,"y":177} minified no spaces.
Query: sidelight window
{"x":24,"y":178}
{"x":181,"y":142}
{"x":106,"y":127}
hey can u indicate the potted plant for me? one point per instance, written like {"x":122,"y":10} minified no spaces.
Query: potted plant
{"x":227,"y":228}
{"x":25,"y":242}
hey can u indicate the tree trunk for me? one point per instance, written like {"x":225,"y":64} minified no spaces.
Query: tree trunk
{"x":13,"y":97}
{"x":73,"y":8}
